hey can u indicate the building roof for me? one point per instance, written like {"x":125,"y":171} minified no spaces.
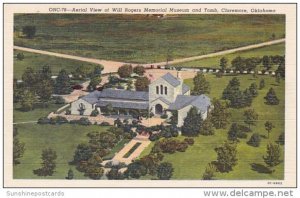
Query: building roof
{"x":124,"y":94}
{"x":201,"y":102}
{"x":163,"y":99}
{"x":95,"y":96}
{"x":185,"y":88}
{"x":125,"y":105}
{"x":171,"y":79}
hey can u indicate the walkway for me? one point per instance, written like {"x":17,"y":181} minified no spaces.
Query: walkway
{"x":136,"y":153}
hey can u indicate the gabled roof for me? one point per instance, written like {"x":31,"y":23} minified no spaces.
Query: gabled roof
{"x":92,"y":98}
{"x":201,"y":102}
{"x":164,"y":100}
{"x":171,"y":79}
{"x":124,"y":94}
{"x":185,"y":88}
{"x":125,"y":105}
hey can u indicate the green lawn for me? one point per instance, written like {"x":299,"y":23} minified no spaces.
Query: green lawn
{"x":37,"y":61}
{"x":62,"y":138}
{"x":214,"y":62}
{"x":191,"y":163}
{"x":142,"y":39}
{"x":34,"y":115}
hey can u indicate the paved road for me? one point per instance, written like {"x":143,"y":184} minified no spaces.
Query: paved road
{"x":112,"y":66}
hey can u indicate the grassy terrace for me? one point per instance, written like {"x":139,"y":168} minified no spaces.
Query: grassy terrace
{"x":142,"y":39}
{"x":214,"y":62}
{"x":191,"y":164}
{"x":37,"y":61}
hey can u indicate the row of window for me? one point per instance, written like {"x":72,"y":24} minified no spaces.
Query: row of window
{"x":161,"y":91}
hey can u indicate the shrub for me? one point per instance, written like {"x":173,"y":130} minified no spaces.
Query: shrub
{"x":104,"y":124}
{"x":154,"y":137}
{"x":209,"y":172}
{"x":181,"y":147}
{"x":254,"y":140}
{"x":164,"y":116}
{"x":43,"y":120}
{"x":94,"y":113}
{"x":190,"y":141}
{"x":61,"y":120}
{"x":81,"y":121}
{"x":68,"y":112}
{"x":59,"y":100}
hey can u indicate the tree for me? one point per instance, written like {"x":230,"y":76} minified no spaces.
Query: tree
{"x":269,"y":126}
{"x":93,"y":168}
{"x":281,"y":139}
{"x":139,"y":70}
{"x":266,"y":62}
{"x":207,"y":127}
{"x":165,"y":171}
{"x":281,"y":69}
{"x":28,"y":99}
{"x":253,"y":89}
{"x":238,"y":64}
{"x":142,"y":83}
{"x":226,"y":157}
{"x":232,"y":87}
{"x":63,"y":83}
{"x":20,"y":56}
{"x":273,"y":155}
{"x":261,"y":84}
{"x":48,"y":165}
{"x":45,"y":90}
{"x":125,"y":71}
{"x":223,"y":64}
{"x":29,"y":78}
{"x":135,"y":170}
{"x":192,"y":123}
{"x":277,"y":78}
{"x":97,"y":71}
{"x":271,"y":98}
{"x":114,"y":174}
{"x":70,"y":174}
{"x":82,"y":153}
{"x":18,"y":147}
{"x":29,"y":31}
{"x":220,"y":114}
{"x":95,"y":81}
{"x":254,"y":140}
{"x":250,"y":117}
{"x":233,"y":132}
{"x":201,"y":85}
{"x":209,"y":171}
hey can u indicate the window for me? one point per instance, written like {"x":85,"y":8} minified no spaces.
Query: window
{"x":166,"y":90}
{"x":161,"y":89}
{"x":157,"y":89}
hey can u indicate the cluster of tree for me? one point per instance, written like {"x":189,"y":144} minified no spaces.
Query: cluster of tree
{"x":48,"y":165}
{"x":171,"y":145}
{"x":126,"y":70}
{"x":29,"y":31}
{"x":88,"y":157}
{"x":245,"y":64}
{"x":163,"y":131}
{"x":201,"y":85}
{"x":237,"y":131}
{"x":237,"y":97}
{"x":95,"y":77}
{"x":142,"y":84}
{"x":18,"y":147}
{"x":269,"y":61}
{"x":37,"y":86}
{"x":87,"y":71}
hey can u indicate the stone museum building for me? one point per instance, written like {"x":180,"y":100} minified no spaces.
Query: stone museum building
{"x":166,"y":94}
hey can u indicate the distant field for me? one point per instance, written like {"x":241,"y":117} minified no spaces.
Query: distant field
{"x":142,"y":39}
{"x":278,"y":49}
{"x":191,"y":163}
{"x":37,"y":61}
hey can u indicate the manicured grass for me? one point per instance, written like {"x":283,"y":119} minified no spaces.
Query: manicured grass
{"x":214,"y":62}
{"x":138,"y":38}
{"x":37,"y":61}
{"x":116,"y":149}
{"x":34,"y":115}
{"x":191,"y":163}
{"x":61,"y":138}
{"x":132,"y":149}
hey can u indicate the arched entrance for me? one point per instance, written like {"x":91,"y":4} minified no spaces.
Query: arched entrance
{"x":158,"y":109}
